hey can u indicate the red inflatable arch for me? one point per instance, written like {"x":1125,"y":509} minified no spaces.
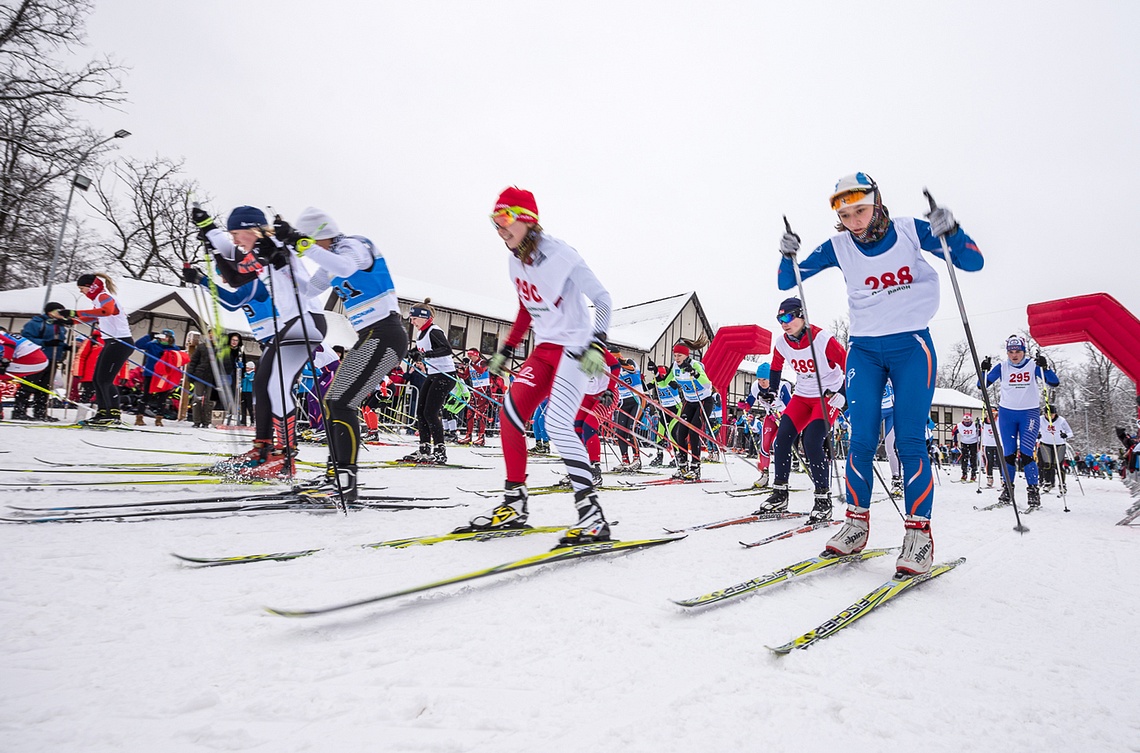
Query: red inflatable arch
{"x":728,"y":349}
{"x":1097,"y":318}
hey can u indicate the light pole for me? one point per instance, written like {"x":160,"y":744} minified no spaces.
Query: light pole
{"x":82,"y":183}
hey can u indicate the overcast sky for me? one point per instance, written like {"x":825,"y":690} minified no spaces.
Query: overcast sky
{"x":663,"y":140}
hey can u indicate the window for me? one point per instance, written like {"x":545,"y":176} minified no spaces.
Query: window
{"x":949,"y":418}
{"x":489,"y":343}
{"x":934,"y":415}
{"x":457,"y":337}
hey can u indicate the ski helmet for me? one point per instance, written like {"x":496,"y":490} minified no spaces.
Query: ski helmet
{"x":1013,"y":342}
{"x":764,"y":370}
{"x":853,"y":190}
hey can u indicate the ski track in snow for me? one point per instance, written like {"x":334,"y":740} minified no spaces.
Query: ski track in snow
{"x":109,"y":644}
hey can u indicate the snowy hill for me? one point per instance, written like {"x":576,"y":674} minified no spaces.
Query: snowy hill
{"x":109,"y":644}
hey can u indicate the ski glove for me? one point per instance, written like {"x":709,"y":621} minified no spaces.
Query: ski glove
{"x":192,"y":275}
{"x":942,"y":221}
{"x":498,"y":363}
{"x":591,"y":359}
{"x":203,"y":221}
{"x":286,"y":233}
{"x":269,"y":252}
{"x":606,"y":399}
{"x":987,"y":364}
{"x":835,"y":399}
{"x":1042,"y":362}
{"x":789,"y":245}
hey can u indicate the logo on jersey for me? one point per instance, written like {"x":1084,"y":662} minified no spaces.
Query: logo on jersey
{"x":525,"y":375}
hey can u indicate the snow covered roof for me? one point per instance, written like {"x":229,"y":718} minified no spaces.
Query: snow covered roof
{"x":132,"y":296}
{"x":955,"y":399}
{"x":640,"y":326}
{"x":504,"y":308}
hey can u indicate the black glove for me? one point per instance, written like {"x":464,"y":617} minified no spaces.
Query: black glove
{"x":192,"y":275}
{"x":4,"y":364}
{"x":269,"y":252}
{"x":1064,"y":435}
{"x":284,"y":231}
{"x":987,"y":364}
{"x":203,"y":221}
{"x":606,"y":399}
{"x":1042,"y":362}
{"x":766,"y":395}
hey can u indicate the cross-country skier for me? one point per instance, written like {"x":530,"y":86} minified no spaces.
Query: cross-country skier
{"x":668,"y":392}
{"x":773,"y":405}
{"x":431,"y":347}
{"x":804,"y":414}
{"x":20,"y":357}
{"x":628,"y":412}
{"x":246,"y":251}
{"x":599,"y":401}
{"x":553,"y":283}
{"x":696,"y":395}
{"x":892,"y":292}
{"x":51,"y":335}
{"x":1019,"y":411}
{"x":356,"y":269}
{"x":111,"y":320}
{"x":1053,"y":433}
{"x":989,"y":447}
{"x":966,"y":436}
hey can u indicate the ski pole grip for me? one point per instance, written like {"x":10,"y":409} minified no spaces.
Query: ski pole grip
{"x":933,"y":204}
{"x":787,"y":225}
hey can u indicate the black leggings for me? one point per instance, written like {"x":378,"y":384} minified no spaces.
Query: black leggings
{"x":111,"y":359}
{"x":429,"y":408}
{"x":624,"y":418}
{"x":688,"y":440}
{"x":379,"y":348}
{"x":969,"y":459}
{"x":814,"y":437}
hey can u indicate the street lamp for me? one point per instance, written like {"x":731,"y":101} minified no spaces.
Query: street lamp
{"x":82,"y":183}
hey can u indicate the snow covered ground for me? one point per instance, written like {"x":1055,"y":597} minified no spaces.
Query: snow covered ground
{"x":109,"y":644}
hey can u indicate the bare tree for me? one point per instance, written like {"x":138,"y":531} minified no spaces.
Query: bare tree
{"x":841,"y":328}
{"x":1105,"y":399}
{"x":151,"y":236}
{"x":956,"y":370}
{"x":41,"y":139}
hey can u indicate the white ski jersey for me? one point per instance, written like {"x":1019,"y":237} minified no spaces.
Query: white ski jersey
{"x":967,"y":434}
{"x":1020,"y":385}
{"x":1051,"y":432}
{"x":988,"y":436}
{"x":435,"y":364}
{"x":798,"y":356}
{"x":896,"y":291}
{"x":553,"y":289}
{"x":280,"y":282}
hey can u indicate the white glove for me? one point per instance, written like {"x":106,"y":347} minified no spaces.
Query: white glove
{"x":942,"y":221}
{"x":789,"y":245}
{"x":836,"y":400}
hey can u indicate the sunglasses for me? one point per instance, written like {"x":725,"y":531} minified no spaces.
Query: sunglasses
{"x":788,"y":317}
{"x":850,"y":197}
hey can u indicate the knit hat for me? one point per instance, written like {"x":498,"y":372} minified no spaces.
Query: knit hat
{"x":682,"y":349}
{"x":853,"y":190}
{"x":764,"y":370}
{"x":422,"y":312}
{"x":520,"y":201}
{"x":791,"y":305}
{"x":86,"y":280}
{"x":246,"y":217}
{"x":1015,"y":343}
{"x":53,"y":306}
{"x":317,"y":224}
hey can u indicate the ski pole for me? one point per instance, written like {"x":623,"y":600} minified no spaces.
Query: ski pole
{"x":1019,"y":527}
{"x":20,"y":380}
{"x":823,"y":404}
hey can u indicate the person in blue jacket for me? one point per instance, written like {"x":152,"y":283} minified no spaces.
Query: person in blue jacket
{"x":892,"y":294}
{"x":1019,"y":411}
{"x":51,"y":335}
{"x":155,"y":346}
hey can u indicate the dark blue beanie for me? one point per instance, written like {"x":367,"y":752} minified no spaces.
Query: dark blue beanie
{"x":246,"y":217}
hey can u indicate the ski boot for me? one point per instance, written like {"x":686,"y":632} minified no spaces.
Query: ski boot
{"x":102,"y":417}
{"x":231,"y":465}
{"x":777,"y":501}
{"x":439,"y":455}
{"x":635,"y":466}
{"x":464,"y":440}
{"x":595,"y":474}
{"x":917,"y":554}
{"x":591,"y":525}
{"x":852,"y":537}
{"x":511,"y":513}
{"x":1006,"y":494}
{"x":563,"y":482}
{"x":480,"y":442}
{"x":420,"y":456}
{"x":989,"y":482}
{"x":335,"y":483}
{"x":822,"y":509}
{"x":896,"y":486}
{"x":657,"y":461}
{"x":682,"y":469}
{"x":1032,"y":495}
{"x":21,"y":415}
{"x":762,"y":482}
{"x":46,"y":417}
{"x":694,"y":472}
{"x":273,"y":463}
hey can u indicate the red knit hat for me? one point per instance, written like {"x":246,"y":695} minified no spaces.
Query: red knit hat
{"x":520,"y":201}
{"x":682,"y":349}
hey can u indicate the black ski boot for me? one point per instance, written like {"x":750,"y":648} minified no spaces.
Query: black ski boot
{"x":777,"y":501}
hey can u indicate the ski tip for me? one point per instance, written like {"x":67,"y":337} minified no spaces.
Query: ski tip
{"x":289,"y":612}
